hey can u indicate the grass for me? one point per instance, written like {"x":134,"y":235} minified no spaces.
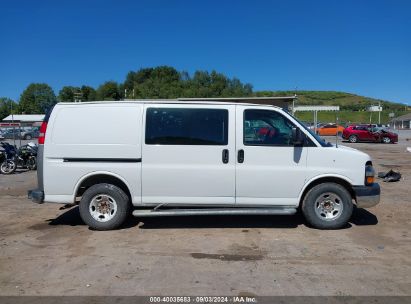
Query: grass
{"x":352,"y":107}
{"x":347,"y":117}
{"x":342,"y":99}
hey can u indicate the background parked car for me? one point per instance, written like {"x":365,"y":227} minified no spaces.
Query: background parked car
{"x":313,"y":127}
{"x":356,"y":133}
{"x":34,"y":133}
{"x":21,"y":133}
{"x":330,"y":130}
{"x":11,"y":133}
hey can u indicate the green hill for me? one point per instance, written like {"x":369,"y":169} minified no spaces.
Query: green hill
{"x":352,"y":107}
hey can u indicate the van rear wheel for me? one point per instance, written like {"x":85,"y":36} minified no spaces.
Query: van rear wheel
{"x":327,"y":206}
{"x":104,"y":207}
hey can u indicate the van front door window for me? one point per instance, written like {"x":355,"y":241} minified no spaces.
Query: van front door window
{"x":268,"y":128}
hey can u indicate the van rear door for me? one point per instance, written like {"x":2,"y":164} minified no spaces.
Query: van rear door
{"x":188,"y":154}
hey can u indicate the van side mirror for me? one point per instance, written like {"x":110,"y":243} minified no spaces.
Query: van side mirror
{"x":297,"y":137}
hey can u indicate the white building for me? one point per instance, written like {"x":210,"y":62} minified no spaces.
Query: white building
{"x":401,"y":122}
{"x":23,"y":120}
{"x":316,"y":108}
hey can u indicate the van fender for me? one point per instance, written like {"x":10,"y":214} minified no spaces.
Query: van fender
{"x":321,"y":176}
{"x":84,"y":177}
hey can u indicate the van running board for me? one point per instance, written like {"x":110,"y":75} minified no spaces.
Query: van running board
{"x":214,"y":211}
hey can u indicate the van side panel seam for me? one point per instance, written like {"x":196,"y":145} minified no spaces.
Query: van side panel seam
{"x":104,"y":160}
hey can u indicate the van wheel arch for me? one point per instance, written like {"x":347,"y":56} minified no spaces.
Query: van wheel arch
{"x":102,"y":178}
{"x":323,"y":180}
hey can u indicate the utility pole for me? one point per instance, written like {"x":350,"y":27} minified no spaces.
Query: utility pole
{"x":379,"y":112}
{"x":295,"y":97}
{"x":293,"y":111}
{"x":12,"y":123}
{"x":336,"y":133}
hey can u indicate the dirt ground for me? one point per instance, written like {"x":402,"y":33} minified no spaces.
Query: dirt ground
{"x":47,"y":250}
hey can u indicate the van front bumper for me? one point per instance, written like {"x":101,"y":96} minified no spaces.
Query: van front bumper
{"x":36,"y":196}
{"x":367,"y":196}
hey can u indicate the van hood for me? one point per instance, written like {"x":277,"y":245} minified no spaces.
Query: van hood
{"x":353,"y":151}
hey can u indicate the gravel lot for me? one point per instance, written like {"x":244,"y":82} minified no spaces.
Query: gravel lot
{"x":47,"y":250}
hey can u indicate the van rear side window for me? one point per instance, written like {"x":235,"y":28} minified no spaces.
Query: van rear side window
{"x":182,"y":126}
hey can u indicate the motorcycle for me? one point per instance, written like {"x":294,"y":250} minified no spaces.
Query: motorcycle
{"x":24,"y":157}
{"x":7,"y":164}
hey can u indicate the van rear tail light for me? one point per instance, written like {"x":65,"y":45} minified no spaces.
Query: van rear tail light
{"x":42,"y":135}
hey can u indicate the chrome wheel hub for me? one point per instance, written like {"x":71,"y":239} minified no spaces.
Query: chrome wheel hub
{"x":103,"y":207}
{"x":7,"y":166}
{"x":328,"y":206}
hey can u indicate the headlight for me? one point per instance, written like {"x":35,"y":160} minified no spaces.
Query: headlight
{"x":369,"y":174}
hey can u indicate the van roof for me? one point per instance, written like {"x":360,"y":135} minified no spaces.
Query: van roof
{"x":170,"y":101}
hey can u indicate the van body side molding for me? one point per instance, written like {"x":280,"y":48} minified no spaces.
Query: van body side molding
{"x":103,"y":160}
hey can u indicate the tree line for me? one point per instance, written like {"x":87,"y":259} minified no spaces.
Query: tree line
{"x":161,"y":82}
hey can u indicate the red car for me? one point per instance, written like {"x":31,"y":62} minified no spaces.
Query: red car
{"x":356,"y":133}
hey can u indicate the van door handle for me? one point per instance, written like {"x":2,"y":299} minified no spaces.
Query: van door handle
{"x":240,"y":156}
{"x":225,"y":156}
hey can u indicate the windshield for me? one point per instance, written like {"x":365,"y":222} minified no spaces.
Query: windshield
{"x":320,"y":140}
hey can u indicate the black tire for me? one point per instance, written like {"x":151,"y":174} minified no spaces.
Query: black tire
{"x":32,"y":163}
{"x":386,"y":140}
{"x":120,"y":198}
{"x":27,"y":137}
{"x":311,"y":206}
{"x":353,"y":139}
{"x":8,"y":166}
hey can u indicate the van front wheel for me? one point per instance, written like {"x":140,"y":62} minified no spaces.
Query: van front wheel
{"x":104,"y":207}
{"x":327,"y":206}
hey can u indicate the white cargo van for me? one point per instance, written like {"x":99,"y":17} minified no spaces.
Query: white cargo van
{"x":164,"y":158}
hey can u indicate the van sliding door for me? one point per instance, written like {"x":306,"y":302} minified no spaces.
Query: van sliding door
{"x":188,"y":155}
